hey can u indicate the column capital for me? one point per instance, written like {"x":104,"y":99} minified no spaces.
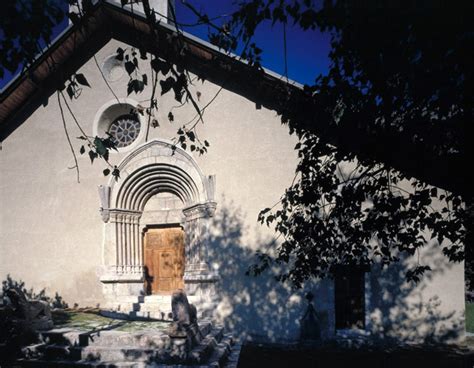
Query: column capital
{"x":200,"y":210}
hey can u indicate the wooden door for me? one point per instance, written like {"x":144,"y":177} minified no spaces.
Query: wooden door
{"x":164,"y":260}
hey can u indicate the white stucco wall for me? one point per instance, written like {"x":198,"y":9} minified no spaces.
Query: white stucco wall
{"x":51,"y":231}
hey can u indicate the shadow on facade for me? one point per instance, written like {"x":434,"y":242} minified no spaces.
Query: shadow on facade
{"x":257,"y":307}
{"x":262,"y":308}
{"x":403,"y":311}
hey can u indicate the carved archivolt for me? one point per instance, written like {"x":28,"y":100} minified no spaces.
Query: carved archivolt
{"x":153,"y":168}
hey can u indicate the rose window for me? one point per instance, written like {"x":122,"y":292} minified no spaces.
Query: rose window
{"x":124,"y":130}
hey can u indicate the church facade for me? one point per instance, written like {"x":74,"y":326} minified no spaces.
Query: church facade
{"x":176,"y":219}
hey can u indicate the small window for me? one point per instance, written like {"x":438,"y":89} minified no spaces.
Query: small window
{"x":124,"y":130}
{"x":350,"y":298}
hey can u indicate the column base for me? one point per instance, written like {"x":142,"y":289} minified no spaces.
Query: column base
{"x":201,"y":284}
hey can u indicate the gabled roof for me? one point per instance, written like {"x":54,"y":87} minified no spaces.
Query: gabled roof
{"x":107,"y":20}
{"x":77,"y":44}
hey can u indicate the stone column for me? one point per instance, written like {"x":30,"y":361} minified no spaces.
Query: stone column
{"x":122,"y":273}
{"x":199,"y":279}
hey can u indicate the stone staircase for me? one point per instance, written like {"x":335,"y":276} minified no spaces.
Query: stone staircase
{"x":207,"y":347}
{"x":156,"y":307}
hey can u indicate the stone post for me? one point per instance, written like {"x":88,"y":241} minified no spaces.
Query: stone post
{"x":199,"y":279}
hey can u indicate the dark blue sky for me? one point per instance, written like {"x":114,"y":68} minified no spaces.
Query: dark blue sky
{"x":307,"y":51}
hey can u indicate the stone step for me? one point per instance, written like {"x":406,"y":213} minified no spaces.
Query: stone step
{"x":175,"y":351}
{"x":160,"y":312}
{"x":62,"y":352}
{"x":122,"y":353}
{"x":131,"y":299}
{"x":165,"y":298}
{"x":221,"y":352}
{"x":63,"y":336}
{"x":41,"y":363}
{"x":145,"y":315}
{"x":204,"y":350}
{"x":152,"y":307}
{"x":233,"y":358}
{"x":145,"y":338}
{"x":157,"y":298}
{"x":31,"y":351}
{"x":121,"y":349}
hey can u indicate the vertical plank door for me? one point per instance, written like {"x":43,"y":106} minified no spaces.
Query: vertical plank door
{"x":164,"y":260}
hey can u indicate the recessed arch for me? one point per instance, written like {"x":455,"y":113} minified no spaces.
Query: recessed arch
{"x":155,"y":167}
{"x":153,"y":177}
{"x":155,"y":161}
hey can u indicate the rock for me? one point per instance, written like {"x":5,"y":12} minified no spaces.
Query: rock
{"x":184,"y":315}
{"x":183,"y":312}
{"x":310,"y":328}
{"x":180,"y":307}
{"x":35,"y":314}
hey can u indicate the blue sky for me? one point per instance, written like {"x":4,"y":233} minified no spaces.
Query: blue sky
{"x":307,"y":51}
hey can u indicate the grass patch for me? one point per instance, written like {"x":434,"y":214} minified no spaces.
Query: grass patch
{"x":470,"y":317}
{"x":92,"y":320}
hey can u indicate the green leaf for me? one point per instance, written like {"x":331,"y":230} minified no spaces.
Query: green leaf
{"x":139,"y":86}
{"x":81,"y":79}
{"x":170,"y":116}
{"x":92,"y":156}
{"x":106,"y":172}
{"x":191,"y":136}
{"x":100,"y":147}
{"x":82,"y":150}
{"x":129,"y":67}
{"x":264,"y":211}
{"x":119,"y":55}
{"x":129,"y":87}
{"x":70,"y":91}
{"x":167,"y":84}
{"x":160,"y":66}
{"x":135,"y":85}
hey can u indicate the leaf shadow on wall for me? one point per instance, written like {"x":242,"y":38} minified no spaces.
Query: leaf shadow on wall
{"x":262,"y":308}
{"x":409,"y":312}
{"x":257,"y":307}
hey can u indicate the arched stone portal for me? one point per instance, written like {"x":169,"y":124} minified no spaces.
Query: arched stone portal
{"x":153,"y":168}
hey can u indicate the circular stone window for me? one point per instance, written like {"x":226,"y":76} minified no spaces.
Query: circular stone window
{"x":124,"y":130}
{"x":113,"y":69}
{"x":120,"y":120}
